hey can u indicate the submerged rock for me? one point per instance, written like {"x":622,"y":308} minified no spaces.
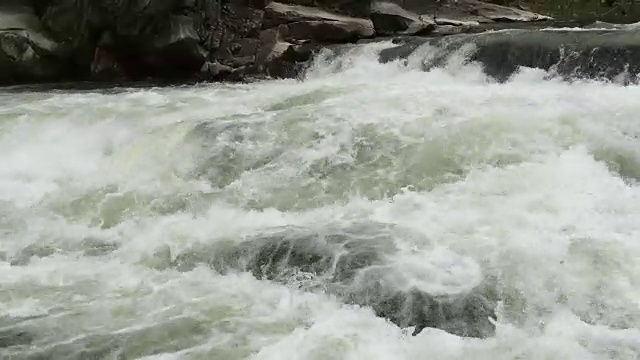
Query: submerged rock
{"x":9,"y":338}
{"x":594,"y":54}
{"x":34,"y":250}
{"x":360,"y":265}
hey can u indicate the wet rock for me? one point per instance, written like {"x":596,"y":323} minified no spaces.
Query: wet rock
{"x":389,"y":18}
{"x":356,"y":8}
{"x":27,"y":53}
{"x":301,"y":53}
{"x":355,"y":264}
{"x":147,"y":38}
{"x":122,"y":40}
{"x":24,"y":256}
{"x":598,"y":54}
{"x":239,"y":62}
{"x":9,"y":338}
{"x":468,"y":11}
{"x":277,"y":13}
{"x":468,"y":315}
{"x":503,"y":13}
{"x":446,"y":30}
{"x":270,"y":58}
{"x":405,"y":47}
{"x":293,"y":61}
{"x":177,"y":47}
{"x":455,"y":22}
{"x":97,"y":247}
{"x":272,"y":46}
{"x":605,"y":25}
{"x":304,"y":22}
{"x":212,"y":70}
{"x":331,"y":31}
{"x":235,"y":35}
{"x":247,"y":47}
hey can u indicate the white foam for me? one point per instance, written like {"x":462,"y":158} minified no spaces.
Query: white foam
{"x":509,"y":180}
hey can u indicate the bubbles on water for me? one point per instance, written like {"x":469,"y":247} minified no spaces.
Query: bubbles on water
{"x":519,"y":182}
{"x":438,"y":271}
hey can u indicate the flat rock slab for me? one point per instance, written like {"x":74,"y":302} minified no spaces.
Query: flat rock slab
{"x":278,"y":14}
{"x":329,"y":31}
{"x":502,"y":13}
{"x":467,"y":12}
{"x":389,"y":18}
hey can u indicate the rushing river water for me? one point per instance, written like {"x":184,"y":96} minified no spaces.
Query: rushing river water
{"x":532,"y":182}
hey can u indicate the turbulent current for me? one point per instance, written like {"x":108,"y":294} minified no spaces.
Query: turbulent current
{"x":322,"y":218}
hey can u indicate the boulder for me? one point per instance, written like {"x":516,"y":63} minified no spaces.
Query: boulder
{"x":341,"y":31}
{"x":214,"y":70}
{"x":355,"y":8}
{"x":460,"y":21}
{"x":176,"y":47}
{"x":612,"y":55}
{"x":272,"y":46}
{"x":389,"y":18}
{"x":503,"y":13}
{"x":27,"y":53}
{"x":10,"y":337}
{"x":180,"y":29}
{"x":447,"y":30}
{"x":468,"y":12}
{"x":278,"y":57}
{"x":277,"y":13}
{"x":235,"y":34}
{"x":303,"y":22}
{"x":132,"y":38}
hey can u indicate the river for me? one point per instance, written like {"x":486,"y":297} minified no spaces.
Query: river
{"x":532,"y":182}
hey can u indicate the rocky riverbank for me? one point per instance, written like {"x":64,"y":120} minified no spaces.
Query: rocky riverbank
{"x":211,"y":40}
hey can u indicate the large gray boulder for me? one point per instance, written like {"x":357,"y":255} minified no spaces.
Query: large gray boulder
{"x":503,"y":13}
{"x":467,"y":12}
{"x":355,"y":8}
{"x":304,"y":22}
{"x":133,"y":38}
{"x":27,"y":53}
{"x":293,"y":32}
{"x":612,"y":55}
{"x":389,"y":19}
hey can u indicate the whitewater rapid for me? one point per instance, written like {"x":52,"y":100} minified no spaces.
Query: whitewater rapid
{"x":532,"y":182}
